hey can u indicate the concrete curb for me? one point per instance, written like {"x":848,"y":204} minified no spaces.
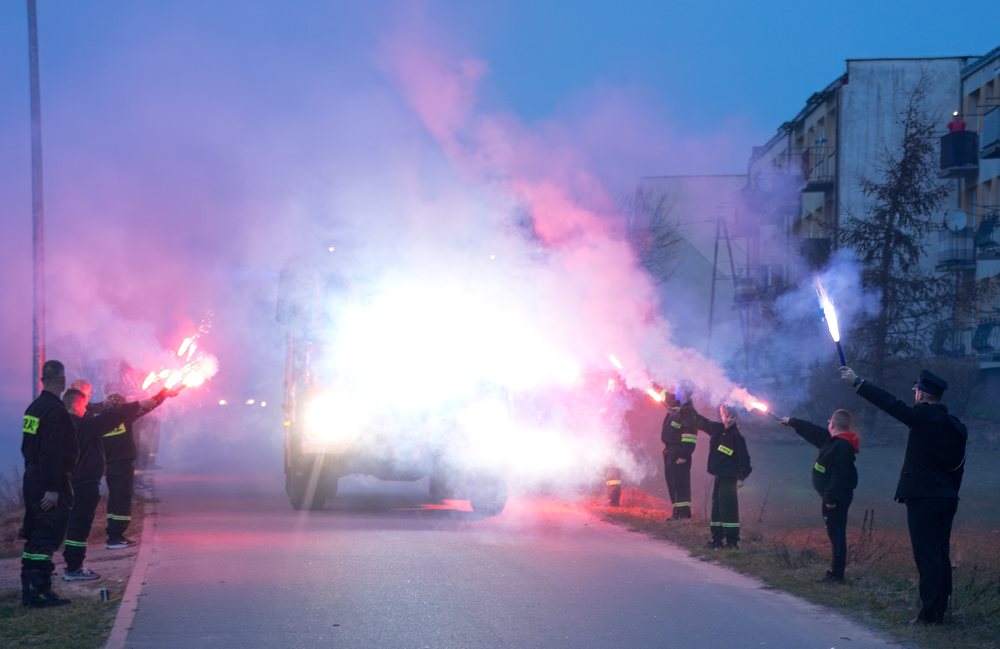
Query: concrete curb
{"x":130,"y":600}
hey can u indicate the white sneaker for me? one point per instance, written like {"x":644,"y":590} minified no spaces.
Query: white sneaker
{"x":80,"y":574}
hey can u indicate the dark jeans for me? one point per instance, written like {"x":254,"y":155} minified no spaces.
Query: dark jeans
{"x":929,"y":520}
{"x":836,"y":529}
{"x":725,"y":510}
{"x":81,"y":519}
{"x":678,"y":478}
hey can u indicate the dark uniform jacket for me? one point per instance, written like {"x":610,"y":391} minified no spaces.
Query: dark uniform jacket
{"x":49,"y":443}
{"x":727,"y":452}
{"x":834,"y":474}
{"x":935,"y":450}
{"x":89,"y":433}
{"x":680,"y":432}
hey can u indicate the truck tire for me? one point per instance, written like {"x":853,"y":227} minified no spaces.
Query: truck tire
{"x":488,"y":497}
{"x":307,"y":488}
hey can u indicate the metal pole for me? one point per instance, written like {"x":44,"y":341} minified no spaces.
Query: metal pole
{"x":37,"y":211}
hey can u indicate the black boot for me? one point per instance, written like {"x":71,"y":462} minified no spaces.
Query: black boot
{"x":39,"y":591}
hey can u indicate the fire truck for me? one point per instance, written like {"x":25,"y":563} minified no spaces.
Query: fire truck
{"x":372,"y":388}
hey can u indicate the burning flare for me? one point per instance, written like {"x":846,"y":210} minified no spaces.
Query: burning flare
{"x":830,"y":315}
{"x":197,"y":367}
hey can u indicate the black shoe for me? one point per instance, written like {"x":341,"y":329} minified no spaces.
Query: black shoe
{"x":714,"y":545}
{"x":121,"y":543}
{"x":732,"y":545}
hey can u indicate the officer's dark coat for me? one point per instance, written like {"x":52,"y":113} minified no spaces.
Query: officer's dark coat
{"x":935,"y":450}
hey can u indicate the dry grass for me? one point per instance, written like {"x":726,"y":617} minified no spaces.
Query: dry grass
{"x":881,"y":589}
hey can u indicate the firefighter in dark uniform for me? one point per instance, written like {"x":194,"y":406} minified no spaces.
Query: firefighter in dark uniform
{"x":729,"y":462}
{"x":834,"y":476}
{"x":119,"y":457}
{"x":929,"y":481}
{"x":679,"y":436}
{"x":49,"y":450}
{"x":89,"y":470}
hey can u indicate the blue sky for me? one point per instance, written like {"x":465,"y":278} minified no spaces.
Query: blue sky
{"x":188,"y":123}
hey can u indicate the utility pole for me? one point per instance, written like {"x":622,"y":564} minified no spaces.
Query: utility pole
{"x":37,"y":211}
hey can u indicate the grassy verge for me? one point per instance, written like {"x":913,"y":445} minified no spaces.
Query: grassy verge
{"x":881,"y":588}
{"x":84,"y":624}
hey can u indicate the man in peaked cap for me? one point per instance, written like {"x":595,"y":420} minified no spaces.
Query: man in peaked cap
{"x":933,"y":466}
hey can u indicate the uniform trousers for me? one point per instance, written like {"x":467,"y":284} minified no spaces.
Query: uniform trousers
{"x":87,"y":494}
{"x":930,"y":520}
{"x":121,"y":486}
{"x":44,"y":530}
{"x":725,"y":510}
{"x":678,"y":478}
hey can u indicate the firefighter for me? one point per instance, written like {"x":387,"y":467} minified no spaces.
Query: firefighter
{"x":119,"y":457}
{"x":89,"y":470}
{"x":49,"y":449}
{"x":933,"y":466}
{"x":834,"y":476}
{"x":679,"y":436}
{"x":613,"y":486}
{"x":729,"y":462}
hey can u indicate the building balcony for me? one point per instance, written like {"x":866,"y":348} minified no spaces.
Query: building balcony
{"x":951,"y":342}
{"x":989,"y":146}
{"x":987,"y":237}
{"x":986,"y":342}
{"x":771,"y":201}
{"x":815,"y":251}
{"x":956,"y":250}
{"x":758,"y":282}
{"x":818,"y":165}
{"x":959,"y":154}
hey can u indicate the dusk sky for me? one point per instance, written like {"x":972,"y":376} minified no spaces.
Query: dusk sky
{"x":188,"y":145}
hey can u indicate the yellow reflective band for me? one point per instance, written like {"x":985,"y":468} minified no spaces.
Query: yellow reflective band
{"x":675,"y":424}
{"x":36,"y":557}
{"x":730,"y":525}
{"x":682,"y":504}
{"x":725,"y":450}
{"x":714,"y":524}
{"x":819,"y":468}
{"x":76,"y":544}
{"x":118,"y":431}
{"x":30,"y":425}
{"x":688,"y":438}
{"x":613,"y":483}
{"x":116,"y":517}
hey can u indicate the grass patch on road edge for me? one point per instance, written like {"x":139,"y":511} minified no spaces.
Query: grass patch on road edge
{"x":881,"y":589}
{"x":87,"y":622}
{"x":84,"y":624}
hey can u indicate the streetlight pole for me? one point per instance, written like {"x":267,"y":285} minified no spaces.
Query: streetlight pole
{"x":37,"y":211}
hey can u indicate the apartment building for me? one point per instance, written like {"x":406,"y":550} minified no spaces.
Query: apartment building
{"x":803,"y":184}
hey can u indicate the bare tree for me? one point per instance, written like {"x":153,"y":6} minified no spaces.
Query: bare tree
{"x":654,"y":232}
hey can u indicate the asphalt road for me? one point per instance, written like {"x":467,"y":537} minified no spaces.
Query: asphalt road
{"x":232,"y":565}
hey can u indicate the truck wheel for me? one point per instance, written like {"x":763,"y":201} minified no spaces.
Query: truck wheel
{"x":439,"y":487}
{"x":488,"y":497}
{"x":307,"y":489}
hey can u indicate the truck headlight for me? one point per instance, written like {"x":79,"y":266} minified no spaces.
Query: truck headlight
{"x":330,"y":421}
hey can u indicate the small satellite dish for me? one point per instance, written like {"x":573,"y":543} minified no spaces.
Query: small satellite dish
{"x":955,"y":220}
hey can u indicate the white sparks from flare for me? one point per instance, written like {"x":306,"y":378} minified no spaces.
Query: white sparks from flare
{"x":828,"y":311}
